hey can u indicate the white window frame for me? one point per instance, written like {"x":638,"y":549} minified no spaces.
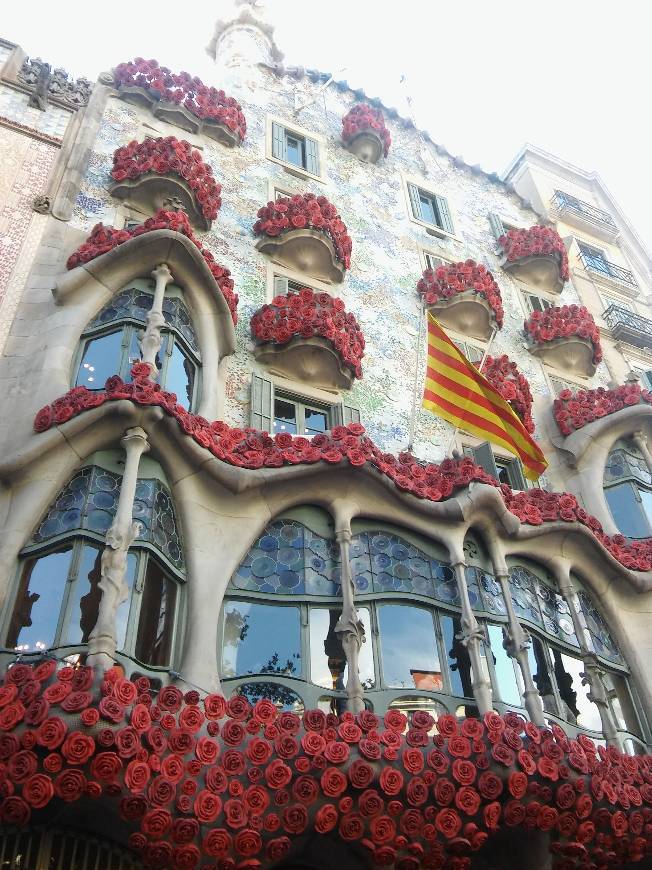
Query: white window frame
{"x":562,"y":376}
{"x":525,"y":295}
{"x":426,"y":187}
{"x":302,"y":133}
{"x":275,"y":270}
{"x":430,"y":252}
{"x":501,"y":456}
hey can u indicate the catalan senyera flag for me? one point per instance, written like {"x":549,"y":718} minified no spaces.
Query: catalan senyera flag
{"x":456,"y":391}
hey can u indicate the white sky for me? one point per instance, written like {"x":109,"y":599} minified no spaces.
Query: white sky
{"x":570,"y":76}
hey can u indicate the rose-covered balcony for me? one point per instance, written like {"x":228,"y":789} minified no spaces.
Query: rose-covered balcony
{"x":166,"y":173}
{"x":365,"y":134}
{"x":182,"y":100}
{"x":305,"y":233}
{"x":504,"y":376}
{"x":537,"y":256}
{"x":463,"y":297}
{"x":309,"y":337}
{"x":565,"y":337}
{"x":573,"y":411}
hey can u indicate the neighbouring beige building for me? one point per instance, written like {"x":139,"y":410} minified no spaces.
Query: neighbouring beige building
{"x":216,"y":474}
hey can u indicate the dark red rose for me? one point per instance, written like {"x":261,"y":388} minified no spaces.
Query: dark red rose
{"x":444,"y":792}
{"x":326,"y":818}
{"x":391,"y":781}
{"x":105,"y":766}
{"x":156,"y":823}
{"x":464,"y":771}
{"x":514,"y":813}
{"x":503,"y":754}
{"x":132,"y":808}
{"x":248,"y":842}
{"x":448,"y":823}
{"x":370,"y":803}
{"x":217,"y":843}
{"x":472,"y":728}
{"x":438,"y":761}
{"x":184,"y":830}
{"x":22,"y":765}
{"x":70,"y":785}
{"x":172,"y":768}
{"x":15,"y":811}
{"x":447,"y":725}
{"x":51,"y":733}
{"x":417,"y":792}
{"x":351,"y":826}
{"x":361,"y":774}
{"x":127,"y":742}
{"x":333,"y":782}
{"x":233,"y":732}
{"x":490,"y":785}
{"x":38,"y":790}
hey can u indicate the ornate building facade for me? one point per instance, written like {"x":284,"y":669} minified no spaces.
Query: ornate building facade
{"x":258,"y":608}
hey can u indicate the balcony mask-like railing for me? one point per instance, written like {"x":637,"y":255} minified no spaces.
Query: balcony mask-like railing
{"x":597,"y":263}
{"x":583,"y":209}
{"x":628,"y":326}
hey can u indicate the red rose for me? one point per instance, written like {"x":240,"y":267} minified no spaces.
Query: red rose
{"x":448,"y":823}
{"x":391,"y":781}
{"x":217,"y":843}
{"x":549,"y":769}
{"x":38,"y":790}
{"x":15,"y":811}
{"x":444,"y":792}
{"x":105,"y":766}
{"x":132,"y":808}
{"x":51,"y":733}
{"x":459,"y":746}
{"x":464,"y":771}
{"x":78,"y":748}
{"x":21,"y":766}
{"x":90,"y":717}
{"x":503,"y":754}
{"x":370,"y":803}
{"x":490,"y":785}
{"x":214,"y":707}
{"x":256,"y":799}
{"x":233,"y":732}
{"x":191,"y":719}
{"x":278,"y":774}
{"x":156,"y":823}
{"x":326,"y":818}
{"x":161,"y":791}
{"x":70,"y":785}
{"x":333,"y":782}
{"x":491,"y":815}
{"x":417,"y":792}
{"x":395,"y":720}
{"x":514,"y":813}
{"x":438,"y":761}
{"x":111,"y":710}
{"x":412,"y":760}
{"x":248,"y":842}
{"x":238,"y":707}
{"x":172,"y":768}
{"x":124,"y":691}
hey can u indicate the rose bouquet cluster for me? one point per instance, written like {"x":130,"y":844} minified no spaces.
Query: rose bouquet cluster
{"x":562,"y":322}
{"x":252,"y":449}
{"x":535,"y":241}
{"x":170,"y":155}
{"x":301,"y":211}
{"x":574,"y":410}
{"x":205,"y":779}
{"x":536,"y":506}
{"x":504,"y":376}
{"x":363,"y":118}
{"x":446,"y":281}
{"x":160,"y":83}
{"x":103,"y":239}
{"x":309,"y":314}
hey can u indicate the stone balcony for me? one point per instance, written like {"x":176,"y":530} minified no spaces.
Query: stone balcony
{"x":577,"y":213}
{"x":629,"y":327}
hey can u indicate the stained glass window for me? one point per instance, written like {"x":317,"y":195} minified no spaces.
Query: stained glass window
{"x":537,"y":601}
{"x":603,"y":643}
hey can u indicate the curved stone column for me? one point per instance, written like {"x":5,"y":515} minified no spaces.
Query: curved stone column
{"x":150,"y":340}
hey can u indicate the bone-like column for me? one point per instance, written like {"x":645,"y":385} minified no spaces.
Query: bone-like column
{"x":472,"y":637}
{"x":349,"y":626}
{"x":150,"y":341}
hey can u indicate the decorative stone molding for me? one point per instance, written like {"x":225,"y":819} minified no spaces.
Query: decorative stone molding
{"x":246,"y":37}
{"x":47,"y":84}
{"x":306,"y":234}
{"x":572,"y":354}
{"x":309,"y":337}
{"x":463,"y":297}
{"x":536,"y":256}
{"x":42,"y":204}
{"x":152,"y":173}
{"x":182,"y":100}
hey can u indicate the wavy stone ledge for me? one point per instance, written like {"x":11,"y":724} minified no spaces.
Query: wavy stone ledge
{"x":311,"y":360}
{"x":467,"y":312}
{"x":541,"y":271}
{"x":304,"y":250}
{"x":571,"y":353}
{"x":151,"y":192}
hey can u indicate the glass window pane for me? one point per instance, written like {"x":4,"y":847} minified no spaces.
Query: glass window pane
{"x":541,"y":675}
{"x":294,"y":149}
{"x":122,"y":616}
{"x":156,"y":621}
{"x":328,"y":667}
{"x":409,"y":648}
{"x":84,"y":599}
{"x":459,"y":662}
{"x":260,"y":639}
{"x":627,"y":511}
{"x":284,"y":698}
{"x":180,"y":377}
{"x":504,"y":667}
{"x":285,"y":416}
{"x":573,"y":694}
{"x":38,"y":603}
{"x":646,"y":501}
{"x":427,"y":209}
{"x":102,"y":357}
{"x":315,"y":421}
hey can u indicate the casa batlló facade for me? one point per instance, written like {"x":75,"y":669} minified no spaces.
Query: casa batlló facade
{"x":258,"y":608}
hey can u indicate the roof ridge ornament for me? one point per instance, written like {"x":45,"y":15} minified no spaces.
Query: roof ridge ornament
{"x":245,"y":36}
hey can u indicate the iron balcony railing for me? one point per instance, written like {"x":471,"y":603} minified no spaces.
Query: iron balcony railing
{"x":628,"y":326}
{"x":597,"y":263}
{"x":563,"y":200}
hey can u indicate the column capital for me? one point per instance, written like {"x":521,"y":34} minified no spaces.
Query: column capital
{"x":135,"y":438}
{"x":162,"y":273}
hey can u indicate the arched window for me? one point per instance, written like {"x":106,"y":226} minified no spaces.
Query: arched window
{"x":109,"y":344}
{"x":283,"y":603}
{"x":57,"y":593}
{"x":555,"y":660}
{"x":628,"y":489}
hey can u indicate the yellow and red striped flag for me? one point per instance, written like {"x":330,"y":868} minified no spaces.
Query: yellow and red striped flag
{"x":456,"y":391}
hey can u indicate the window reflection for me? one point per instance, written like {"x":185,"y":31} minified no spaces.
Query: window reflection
{"x":627,"y":511}
{"x":157,"y":612}
{"x":38,"y":603}
{"x":409,"y":648}
{"x":101,"y":359}
{"x":541,"y":675}
{"x":85,"y":598}
{"x":180,"y":377}
{"x":285,"y":416}
{"x":459,"y":662}
{"x":260,"y":639}
{"x":574,"y":695}
{"x":284,"y":698}
{"x":504,"y":667}
{"x":328,"y":666}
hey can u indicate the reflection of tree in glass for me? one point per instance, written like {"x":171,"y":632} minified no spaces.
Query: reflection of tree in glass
{"x":235,"y":627}
{"x":278,"y":694}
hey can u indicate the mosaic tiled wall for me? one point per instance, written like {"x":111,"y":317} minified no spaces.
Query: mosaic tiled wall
{"x":380,"y":286}
{"x":14,"y":106}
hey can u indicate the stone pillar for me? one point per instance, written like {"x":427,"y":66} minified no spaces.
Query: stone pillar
{"x":103,"y":640}
{"x":472,"y":637}
{"x":349,"y":626}
{"x":640,"y":439}
{"x":593,"y":671}
{"x":150,"y":339}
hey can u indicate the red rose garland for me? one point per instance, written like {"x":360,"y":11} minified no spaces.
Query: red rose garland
{"x":186,"y":797}
{"x":309,"y":314}
{"x":305,"y":210}
{"x":251,"y":448}
{"x":363,"y":117}
{"x":534,"y":241}
{"x":446,"y":281}
{"x":563,"y":322}
{"x":170,"y":155}
{"x":103,"y":239}
{"x":504,"y":376}
{"x":206,"y":103}
{"x":574,"y":410}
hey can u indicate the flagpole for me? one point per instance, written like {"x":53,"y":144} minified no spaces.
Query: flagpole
{"x":482,"y":362}
{"x":415,"y":389}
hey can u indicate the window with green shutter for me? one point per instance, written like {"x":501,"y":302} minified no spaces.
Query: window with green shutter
{"x":295,"y":148}
{"x":497,"y":226}
{"x":430,"y":208}
{"x":509,"y":471}
{"x":273,"y":410}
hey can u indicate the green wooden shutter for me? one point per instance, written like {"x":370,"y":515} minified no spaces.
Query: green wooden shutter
{"x":279,"y":144}
{"x":342,"y":415}
{"x":415,"y":201}
{"x":445,"y":219}
{"x":261,"y":403}
{"x":312,"y":156}
{"x":497,"y":227}
{"x":483,"y":456}
{"x":515,"y":473}
{"x":280,"y":285}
